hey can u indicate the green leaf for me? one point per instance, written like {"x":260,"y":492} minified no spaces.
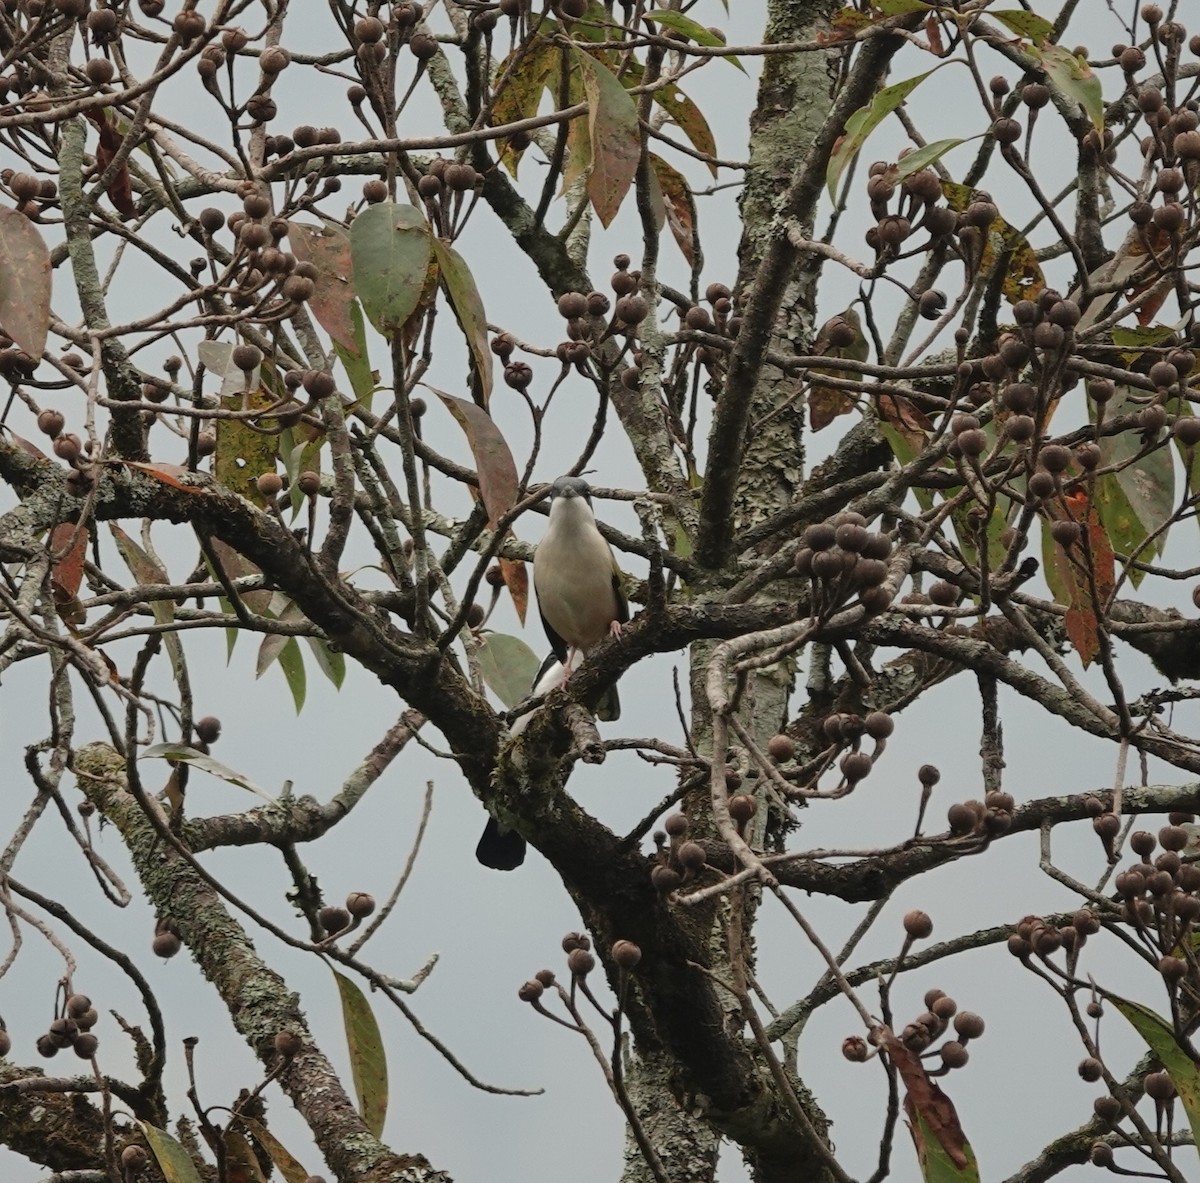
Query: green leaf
{"x":615,"y":137}
{"x":1025,"y":24}
{"x":864,"y":121}
{"x":1138,"y":500}
{"x":509,"y":667}
{"x":291,"y":661}
{"x":331,"y":662}
{"x":368,"y":1064}
{"x":24,"y":283}
{"x":1073,"y":78}
{"x":327,"y":248}
{"x":285,"y":650}
{"x":678,"y":204}
{"x":289,"y":1168}
{"x":147,"y":570}
{"x":174,"y":1162}
{"x":498,"y":480}
{"x":921,"y":158}
{"x":355,"y":361}
{"x":691,"y":29}
{"x":205,"y":763}
{"x":1160,"y":1039}
{"x":905,"y":452}
{"x":299,"y":455}
{"x":390,"y":248}
{"x":1137,"y":340}
{"x":468,"y":309}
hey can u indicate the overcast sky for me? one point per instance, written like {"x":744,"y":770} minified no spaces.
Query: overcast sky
{"x":492,"y":930}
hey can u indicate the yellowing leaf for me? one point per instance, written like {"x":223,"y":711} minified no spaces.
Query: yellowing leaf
{"x":1025,"y":24}
{"x":368,"y":1064}
{"x":289,"y":1168}
{"x":174,"y":1162}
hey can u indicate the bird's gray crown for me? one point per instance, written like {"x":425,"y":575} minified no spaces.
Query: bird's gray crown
{"x":571,"y":486}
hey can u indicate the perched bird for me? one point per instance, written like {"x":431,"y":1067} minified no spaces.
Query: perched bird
{"x":577,"y":582}
{"x":579,"y":596}
{"x":500,"y":848}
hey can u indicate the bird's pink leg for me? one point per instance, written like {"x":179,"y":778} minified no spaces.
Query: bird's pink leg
{"x":569,"y":663}
{"x":614,"y":629}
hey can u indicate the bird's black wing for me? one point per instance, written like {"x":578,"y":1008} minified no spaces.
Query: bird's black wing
{"x":622,"y":602}
{"x":557,"y":644}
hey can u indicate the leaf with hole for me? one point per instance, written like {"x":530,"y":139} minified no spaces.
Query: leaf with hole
{"x":520,"y":92}
{"x":677,"y":203}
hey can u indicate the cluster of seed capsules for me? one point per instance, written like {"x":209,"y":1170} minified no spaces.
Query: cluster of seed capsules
{"x":940,"y":1032}
{"x":70,"y":1029}
{"x":842,"y":559}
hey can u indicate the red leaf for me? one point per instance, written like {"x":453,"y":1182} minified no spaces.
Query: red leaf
{"x":1072,"y":572}
{"x":516,"y":579}
{"x":497,"y":470}
{"x":69,"y":542}
{"x":678,"y":204}
{"x":908,"y":420}
{"x":168,"y":474}
{"x":327,"y":248}
{"x":120,"y":189}
{"x":825,"y":404}
{"x":925,"y":1097}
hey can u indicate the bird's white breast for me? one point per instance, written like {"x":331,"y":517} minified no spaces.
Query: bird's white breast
{"x":572,"y":575}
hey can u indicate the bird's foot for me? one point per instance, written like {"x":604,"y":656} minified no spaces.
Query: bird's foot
{"x":614,"y":629}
